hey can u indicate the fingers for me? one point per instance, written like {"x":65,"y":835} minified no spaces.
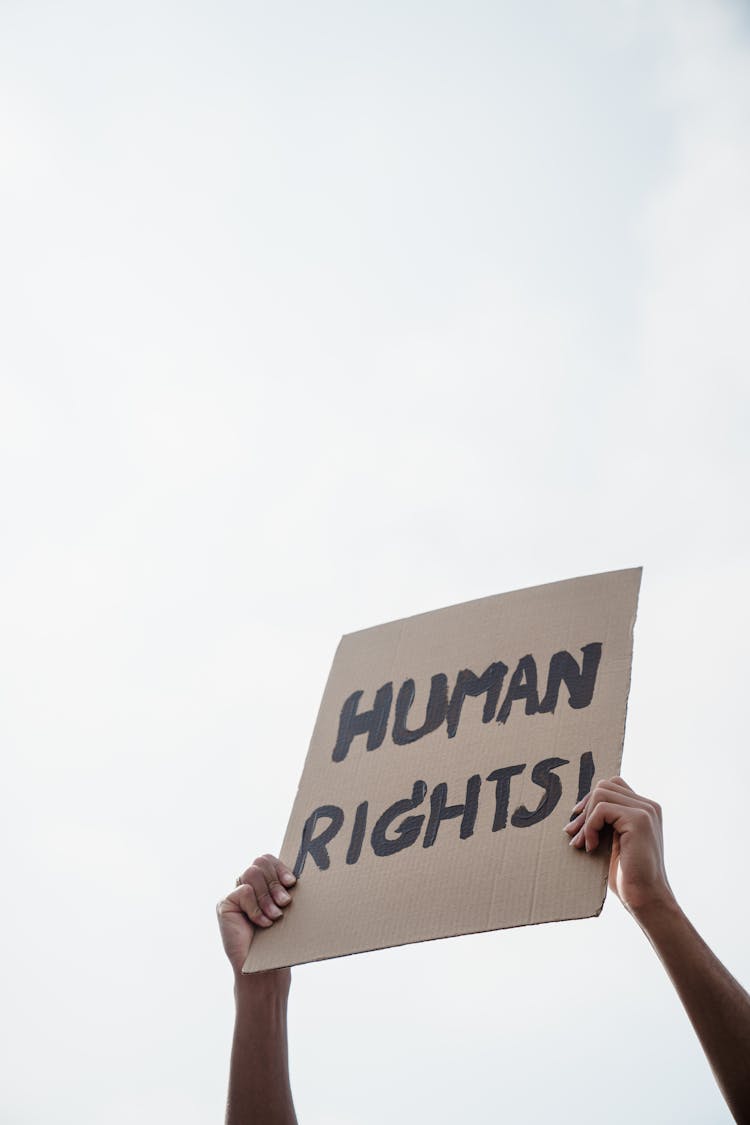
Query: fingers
{"x":611,"y":802}
{"x":247,"y":898}
{"x":277,"y":870}
{"x":257,"y":901}
{"x":602,"y":812}
{"x":614,"y":789}
{"x":262,"y":890}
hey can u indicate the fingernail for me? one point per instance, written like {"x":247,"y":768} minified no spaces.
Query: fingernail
{"x":273,"y":910}
{"x":284,"y":898}
{"x":288,"y":879}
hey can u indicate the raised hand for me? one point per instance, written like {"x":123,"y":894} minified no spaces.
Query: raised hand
{"x":259,"y":1090}
{"x":636,"y":872}
{"x":717,"y":1004}
{"x":259,"y":899}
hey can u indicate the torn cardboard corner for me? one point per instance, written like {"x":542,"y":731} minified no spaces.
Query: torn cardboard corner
{"x":447,"y":756}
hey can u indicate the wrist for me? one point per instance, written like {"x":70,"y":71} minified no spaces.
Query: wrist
{"x":267,"y":989}
{"x":658,"y":914}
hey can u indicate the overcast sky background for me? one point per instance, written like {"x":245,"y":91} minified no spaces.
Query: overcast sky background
{"x":316,"y":316}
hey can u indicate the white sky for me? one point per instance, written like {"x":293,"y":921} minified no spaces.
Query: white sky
{"x":318,"y":315}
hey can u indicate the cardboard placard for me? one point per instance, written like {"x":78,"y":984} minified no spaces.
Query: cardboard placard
{"x":448,"y":753}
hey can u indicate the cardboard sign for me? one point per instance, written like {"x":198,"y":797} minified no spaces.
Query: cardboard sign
{"x":448,"y":753}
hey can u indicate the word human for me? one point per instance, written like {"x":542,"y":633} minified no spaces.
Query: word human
{"x":397,"y":827}
{"x":445,"y":707}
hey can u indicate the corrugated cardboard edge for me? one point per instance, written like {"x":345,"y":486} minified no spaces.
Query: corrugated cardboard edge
{"x":605,"y":875}
{"x":422,"y":941}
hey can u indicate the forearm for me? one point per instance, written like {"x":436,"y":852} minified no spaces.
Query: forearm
{"x":718,"y":1006}
{"x":259,"y":1090}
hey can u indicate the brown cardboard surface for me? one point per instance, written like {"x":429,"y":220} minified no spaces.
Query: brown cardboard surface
{"x":502,"y":859}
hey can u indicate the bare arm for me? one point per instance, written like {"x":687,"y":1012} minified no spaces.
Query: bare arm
{"x":717,"y":1005}
{"x":259,"y":1090}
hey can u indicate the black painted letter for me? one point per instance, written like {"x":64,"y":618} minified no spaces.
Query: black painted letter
{"x":502,"y":777}
{"x":522,"y":686}
{"x":580,"y":682}
{"x":358,"y":834}
{"x":374,"y":723}
{"x":541,"y":775}
{"x":437,"y":706}
{"x":585,"y":775}
{"x":467,"y":683}
{"x":440,"y":811}
{"x":316,"y":845}
{"x":407,"y":830}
